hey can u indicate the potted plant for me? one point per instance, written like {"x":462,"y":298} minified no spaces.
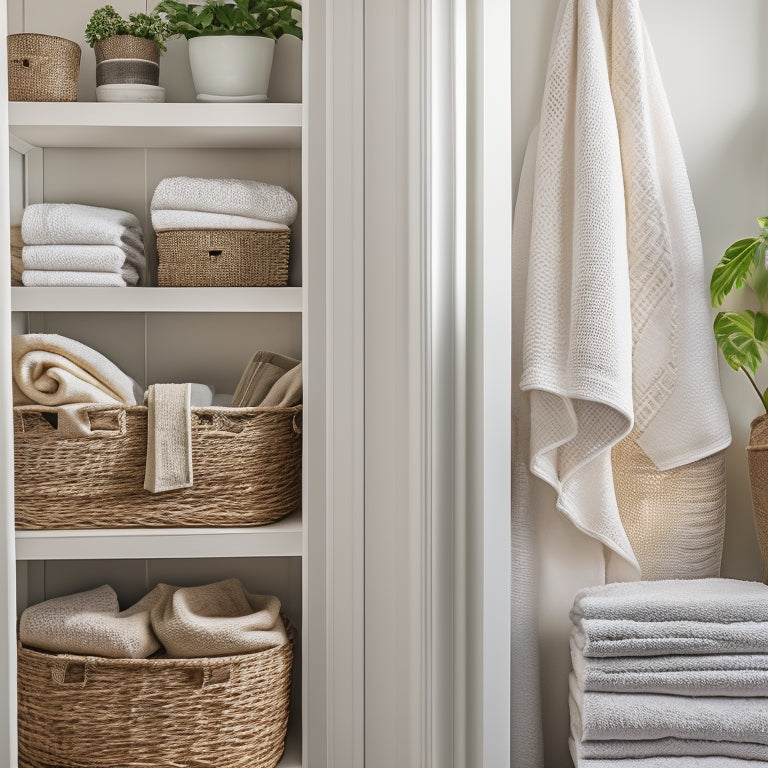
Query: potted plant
{"x":743,"y":339}
{"x":127,"y":50}
{"x":231,"y":44}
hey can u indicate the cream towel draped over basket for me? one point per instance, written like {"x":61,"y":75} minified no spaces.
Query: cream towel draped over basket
{"x":620,"y":423}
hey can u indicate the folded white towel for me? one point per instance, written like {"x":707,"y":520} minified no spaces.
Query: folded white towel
{"x":660,"y":762}
{"x":54,"y":370}
{"x":51,"y":279}
{"x":164,"y":219}
{"x":90,"y":623}
{"x":83,"y":258}
{"x":216,"y":620}
{"x":74,"y":224}
{"x":714,"y":600}
{"x":645,"y":716}
{"x":238,"y":197}
{"x":223,"y":400}
{"x":620,"y":637}
{"x":169,"y":438}
{"x":737,"y":674}
{"x":201,"y":395}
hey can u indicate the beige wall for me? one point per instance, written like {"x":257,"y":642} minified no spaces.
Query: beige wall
{"x":715,"y":69}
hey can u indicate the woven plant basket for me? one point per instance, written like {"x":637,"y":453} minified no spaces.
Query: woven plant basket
{"x":757,"y":462}
{"x":42,"y":68}
{"x":126,"y":47}
{"x":92,"y":712}
{"x":222,"y":257}
{"x":246,"y":466}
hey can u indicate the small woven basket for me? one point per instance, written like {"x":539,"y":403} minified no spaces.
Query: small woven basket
{"x":222,"y":257}
{"x":42,"y":68}
{"x":126,"y":47}
{"x":246,"y":465}
{"x":92,"y":712}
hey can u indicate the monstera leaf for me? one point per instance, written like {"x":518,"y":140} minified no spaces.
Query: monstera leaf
{"x":735,"y":267}
{"x":742,"y":338}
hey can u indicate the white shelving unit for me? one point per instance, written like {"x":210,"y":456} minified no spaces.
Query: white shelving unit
{"x":67,"y":144}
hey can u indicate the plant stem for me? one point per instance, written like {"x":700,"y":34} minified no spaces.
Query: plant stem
{"x":759,"y":393}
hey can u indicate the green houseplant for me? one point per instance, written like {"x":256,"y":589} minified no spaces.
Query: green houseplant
{"x":743,"y":339}
{"x":231,"y":44}
{"x":127,"y":50}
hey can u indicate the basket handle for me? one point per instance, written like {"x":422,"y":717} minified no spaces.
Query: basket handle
{"x":69,"y":673}
{"x":102,"y":422}
{"x":216,"y":677}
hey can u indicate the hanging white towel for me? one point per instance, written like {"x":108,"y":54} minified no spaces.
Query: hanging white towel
{"x":613,"y":317}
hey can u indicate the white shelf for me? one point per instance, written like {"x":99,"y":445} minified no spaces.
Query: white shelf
{"x":280,"y":539}
{"x":91,"y":124}
{"x":25,"y":299}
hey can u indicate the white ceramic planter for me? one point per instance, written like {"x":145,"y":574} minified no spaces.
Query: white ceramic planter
{"x":231,"y":67}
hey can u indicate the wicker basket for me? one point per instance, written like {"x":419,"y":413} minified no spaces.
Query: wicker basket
{"x":246,"y":465}
{"x":42,"y":68}
{"x":223,"y":257}
{"x":92,"y":712}
{"x":126,"y":47}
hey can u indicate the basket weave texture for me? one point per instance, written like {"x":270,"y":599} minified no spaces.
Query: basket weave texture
{"x":757,"y":462}
{"x":126,"y":47}
{"x":223,"y":257}
{"x":246,"y":464}
{"x":93,"y":712}
{"x":42,"y":68}
{"x":130,"y":71}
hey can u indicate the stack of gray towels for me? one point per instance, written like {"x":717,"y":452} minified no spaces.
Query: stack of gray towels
{"x":670,"y":674}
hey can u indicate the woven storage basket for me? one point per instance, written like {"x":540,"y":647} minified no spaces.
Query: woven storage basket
{"x":757,"y":462}
{"x":246,"y":465}
{"x":126,"y":47}
{"x":222,"y":257}
{"x":92,"y":712}
{"x":42,"y":68}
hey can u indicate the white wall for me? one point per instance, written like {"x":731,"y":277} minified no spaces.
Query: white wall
{"x":715,"y":68}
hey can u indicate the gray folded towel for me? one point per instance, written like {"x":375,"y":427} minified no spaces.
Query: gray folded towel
{"x":618,"y":637}
{"x":169,"y":438}
{"x":90,"y":623}
{"x":660,"y":762}
{"x":737,"y":674}
{"x":719,"y":601}
{"x":260,"y":375}
{"x":644,"y":716}
{"x":287,"y":391}
{"x":217,"y":619}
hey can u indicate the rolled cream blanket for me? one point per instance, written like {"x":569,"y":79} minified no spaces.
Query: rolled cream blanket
{"x":735,"y":674}
{"x":219,"y":619}
{"x":51,"y":279}
{"x":90,"y":623}
{"x":239,"y":197}
{"x":201,"y":220}
{"x":75,"y":224}
{"x":660,"y":762}
{"x":84,"y":258}
{"x":54,"y":370}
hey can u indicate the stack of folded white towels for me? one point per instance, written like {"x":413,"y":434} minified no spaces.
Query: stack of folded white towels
{"x":184,"y":202}
{"x":67,"y":244}
{"x":670,"y":674}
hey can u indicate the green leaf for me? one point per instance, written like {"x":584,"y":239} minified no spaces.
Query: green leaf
{"x":733,"y":269}
{"x":763,"y":222}
{"x":742,"y":338}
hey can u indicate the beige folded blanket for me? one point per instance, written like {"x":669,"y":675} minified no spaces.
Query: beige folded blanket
{"x":286,"y":391}
{"x":260,"y":375}
{"x":217,"y":619}
{"x":90,"y":623}
{"x":169,"y":438}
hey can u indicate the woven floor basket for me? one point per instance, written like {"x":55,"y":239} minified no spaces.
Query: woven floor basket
{"x":222,"y":257}
{"x":757,"y":462}
{"x":42,"y":68}
{"x":92,"y":712}
{"x":246,"y":465}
